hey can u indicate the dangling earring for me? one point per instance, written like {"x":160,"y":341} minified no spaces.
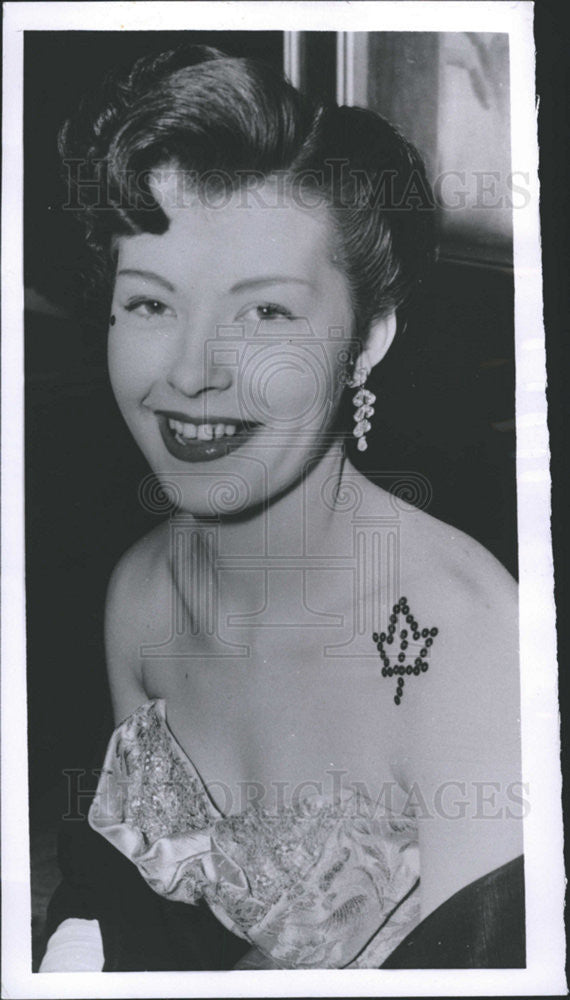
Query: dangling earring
{"x":363,"y":400}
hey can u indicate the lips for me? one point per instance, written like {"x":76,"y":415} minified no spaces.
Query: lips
{"x":194,"y":441}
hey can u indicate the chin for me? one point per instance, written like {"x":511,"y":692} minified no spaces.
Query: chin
{"x":233,"y":483}
{"x":212,"y":490}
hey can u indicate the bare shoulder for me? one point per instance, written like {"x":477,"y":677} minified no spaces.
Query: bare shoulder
{"x":464,"y":592}
{"x":134,"y":576}
{"x":131,"y":616}
{"x":462,"y":716}
{"x":458,"y":591}
{"x":447,"y":569}
{"x":454,"y":571}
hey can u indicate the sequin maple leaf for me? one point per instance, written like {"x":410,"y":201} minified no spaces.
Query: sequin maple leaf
{"x":414,"y":649}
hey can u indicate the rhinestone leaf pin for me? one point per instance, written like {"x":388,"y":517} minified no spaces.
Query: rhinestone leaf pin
{"x":414,"y":650}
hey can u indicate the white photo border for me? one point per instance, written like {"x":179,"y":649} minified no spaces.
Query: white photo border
{"x":544,"y":869}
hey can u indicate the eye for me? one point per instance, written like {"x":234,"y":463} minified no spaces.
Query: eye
{"x":148,"y":308}
{"x":266,"y":311}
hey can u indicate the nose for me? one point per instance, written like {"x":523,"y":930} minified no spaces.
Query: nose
{"x":199,"y":364}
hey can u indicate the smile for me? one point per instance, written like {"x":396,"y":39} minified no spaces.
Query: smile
{"x":193,"y":441}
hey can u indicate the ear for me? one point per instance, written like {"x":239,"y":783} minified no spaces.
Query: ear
{"x":380,"y":336}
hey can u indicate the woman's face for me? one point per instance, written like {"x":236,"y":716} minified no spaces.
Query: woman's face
{"x":228,"y":346}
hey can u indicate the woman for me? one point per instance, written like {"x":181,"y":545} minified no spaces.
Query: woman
{"x":307,"y":719}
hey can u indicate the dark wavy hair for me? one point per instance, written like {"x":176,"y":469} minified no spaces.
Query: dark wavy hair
{"x":220,"y":118}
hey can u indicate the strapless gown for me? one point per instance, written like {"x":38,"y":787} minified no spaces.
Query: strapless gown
{"x":315,"y":884}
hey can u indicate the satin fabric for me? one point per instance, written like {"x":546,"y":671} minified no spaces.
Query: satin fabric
{"x":317,"y":884}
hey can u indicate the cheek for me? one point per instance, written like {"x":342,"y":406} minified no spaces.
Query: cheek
{"x":122,"y":370}
{"x":290,"y":387}
{"x":132,"y":363}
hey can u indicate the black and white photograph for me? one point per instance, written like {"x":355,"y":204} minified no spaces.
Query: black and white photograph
{"x":277,"y":555}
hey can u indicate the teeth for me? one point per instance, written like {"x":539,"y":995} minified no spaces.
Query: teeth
{"x":203,"y":432}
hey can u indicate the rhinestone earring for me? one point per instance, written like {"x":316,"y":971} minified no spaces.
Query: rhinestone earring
{"x":363,"y":400}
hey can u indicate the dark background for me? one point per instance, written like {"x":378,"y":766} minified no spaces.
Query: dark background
{"x":445,"y":410}
{"x":552,"y":37}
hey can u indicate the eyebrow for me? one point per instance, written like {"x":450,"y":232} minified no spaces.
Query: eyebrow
{"x":270,"y":279}
{"x":133,"y":273}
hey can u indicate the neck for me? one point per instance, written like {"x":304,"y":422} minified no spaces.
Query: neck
{"x":279,"y":527}
{"x":292,"y":525}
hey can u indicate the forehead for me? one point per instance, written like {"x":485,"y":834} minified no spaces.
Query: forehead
{"x":261,"y":230}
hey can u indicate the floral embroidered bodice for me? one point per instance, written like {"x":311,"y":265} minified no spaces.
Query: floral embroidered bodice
{"x":315,"y":884}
